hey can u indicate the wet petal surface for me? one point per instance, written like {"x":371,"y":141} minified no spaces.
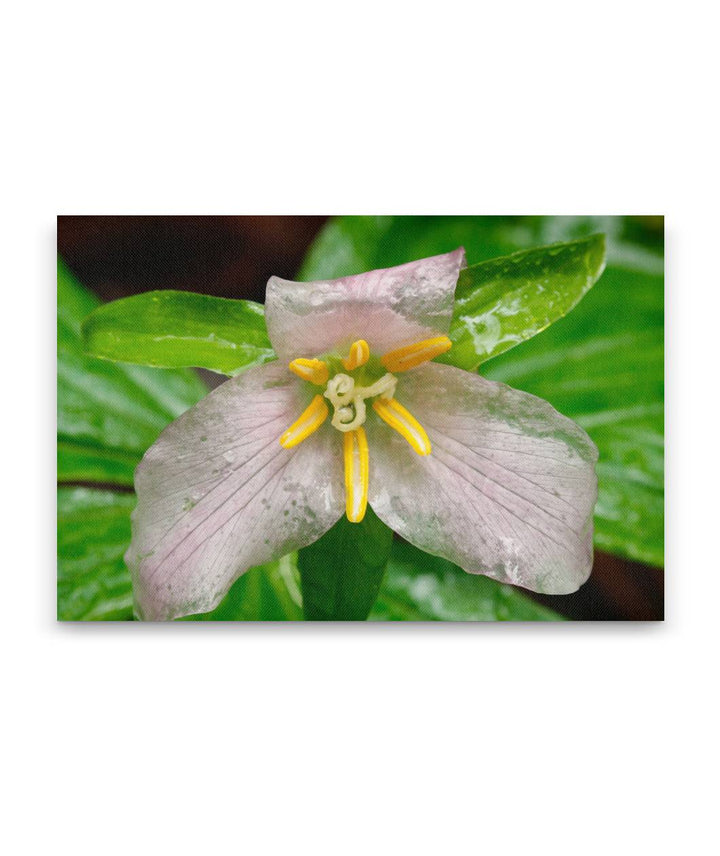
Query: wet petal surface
{"x":218,"y":494}
{"x":388,"y":308}
{"x":508,"y":490}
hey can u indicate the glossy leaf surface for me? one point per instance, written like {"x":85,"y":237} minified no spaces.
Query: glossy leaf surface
{"x":342,"y":572}
{"x":179,"y":328}
{"x":502,"y":302}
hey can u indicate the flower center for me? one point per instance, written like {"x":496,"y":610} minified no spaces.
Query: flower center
{"x":348,"y":395}
{"x":348,"y":399}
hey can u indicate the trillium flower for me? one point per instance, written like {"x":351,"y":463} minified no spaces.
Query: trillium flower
{"x":354,"y":412}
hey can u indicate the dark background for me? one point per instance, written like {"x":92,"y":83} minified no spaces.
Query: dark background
{"x":234,"y":257}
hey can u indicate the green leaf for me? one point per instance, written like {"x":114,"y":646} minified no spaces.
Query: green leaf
{"x":108,"y":415}
{"x":177,"y":329}
{"x":270,"y":592}
{"x":501,"y":302}
{"x":341,"y":573}
{"x":602,"y":365}
{"x":93,"y":534}
{"x":420,"y":587}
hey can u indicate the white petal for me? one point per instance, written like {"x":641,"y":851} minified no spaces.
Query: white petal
{"x":217,"y":494}
{"x":507,"y":491}
{"x":387,"y":308}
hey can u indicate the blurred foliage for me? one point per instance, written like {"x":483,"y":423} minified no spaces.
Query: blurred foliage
{"x":419,"y":587}
{"x":93,"y":534}
{"x":268,"y":593}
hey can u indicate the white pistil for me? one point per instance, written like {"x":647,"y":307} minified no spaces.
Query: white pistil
{"x":348,"y":400}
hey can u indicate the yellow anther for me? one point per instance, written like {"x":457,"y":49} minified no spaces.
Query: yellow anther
{"x":357,"y":469}
{"x":404,"y":423}
{"x":315,"y":371}
{"x":358,"y":356}
{"x":311,"y":419}
{"x":411,"y":356}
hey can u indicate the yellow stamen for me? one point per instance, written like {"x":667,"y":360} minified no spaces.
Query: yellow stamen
{"x":315,"y":371}
{"x":358,"y":356}
{"x":411,"y":356}
{"x":311,"y":419}
{"x":404,"y":423}
{"x":357,"y":469}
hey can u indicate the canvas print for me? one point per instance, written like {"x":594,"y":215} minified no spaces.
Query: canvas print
{"x":357,"y":418}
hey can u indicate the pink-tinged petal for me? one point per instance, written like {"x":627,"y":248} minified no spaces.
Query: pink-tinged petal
{"x":507,"y":491}
{"x":387,"y":308}
{"x":218,"y":494}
